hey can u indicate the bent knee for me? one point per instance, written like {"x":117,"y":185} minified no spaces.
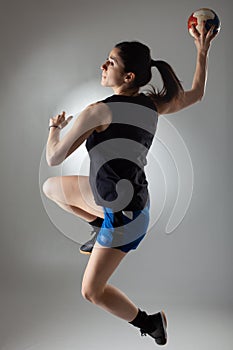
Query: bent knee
{"x":87,"y":295}
{"x":91,"y":294}
{"x":49,"y":186}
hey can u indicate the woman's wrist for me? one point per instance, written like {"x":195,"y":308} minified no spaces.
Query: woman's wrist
{"x":54,"y":126}
{"x":203,"y":53}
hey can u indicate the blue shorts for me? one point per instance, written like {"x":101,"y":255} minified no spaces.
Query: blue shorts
{"x":123,"y":230}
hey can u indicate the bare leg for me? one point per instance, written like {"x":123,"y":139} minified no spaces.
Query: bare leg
{"x":101,"y":265}
{"x":76,"y":211}
{"x":73,"y":194}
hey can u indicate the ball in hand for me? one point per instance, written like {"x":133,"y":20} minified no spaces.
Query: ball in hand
{"x":204,"y":14}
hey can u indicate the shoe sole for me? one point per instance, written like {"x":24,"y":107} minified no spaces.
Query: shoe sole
{"x":164,"y":318}
{"x":84,"y":253}
{"x":164,"y":322}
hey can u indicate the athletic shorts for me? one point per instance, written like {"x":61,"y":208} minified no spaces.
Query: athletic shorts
{"x":123,"y":230}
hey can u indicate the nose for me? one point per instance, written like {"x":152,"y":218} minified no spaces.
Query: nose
{"x":104,"y":66}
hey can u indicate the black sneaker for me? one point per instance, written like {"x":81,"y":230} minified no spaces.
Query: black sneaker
{"x":87,"y":247}
{"x":159,"y":334}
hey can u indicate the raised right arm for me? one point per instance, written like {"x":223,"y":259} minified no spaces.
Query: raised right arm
{"x":89,"y":120}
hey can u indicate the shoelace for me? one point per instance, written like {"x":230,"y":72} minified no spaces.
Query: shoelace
{"x":95,"y":231}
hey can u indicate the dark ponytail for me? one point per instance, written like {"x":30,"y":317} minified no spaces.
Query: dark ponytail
{"x":171,"y":84}
{"x":137,"y":59}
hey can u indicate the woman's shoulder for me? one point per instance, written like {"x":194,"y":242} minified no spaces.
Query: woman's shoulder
{"x":140,"y":99}
{"x":100,"y":112}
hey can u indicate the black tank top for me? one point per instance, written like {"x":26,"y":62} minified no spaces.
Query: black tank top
{"x":118,"y":154}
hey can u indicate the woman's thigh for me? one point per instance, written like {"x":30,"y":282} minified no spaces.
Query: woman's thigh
{"x":74,"y":191}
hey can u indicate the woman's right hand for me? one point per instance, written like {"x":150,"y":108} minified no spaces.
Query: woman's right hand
{"x":60,"y":120}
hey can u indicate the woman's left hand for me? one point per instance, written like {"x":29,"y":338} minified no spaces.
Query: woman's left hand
{"x":203,"y":38}
{"x":60,"y":120}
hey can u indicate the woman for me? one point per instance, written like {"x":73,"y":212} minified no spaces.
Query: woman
{"x":111,"y":210}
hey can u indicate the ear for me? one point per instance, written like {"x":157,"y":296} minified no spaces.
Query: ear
{"x":129,"y":77}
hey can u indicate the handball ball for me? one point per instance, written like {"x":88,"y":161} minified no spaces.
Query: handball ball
{"x":204,"y":14}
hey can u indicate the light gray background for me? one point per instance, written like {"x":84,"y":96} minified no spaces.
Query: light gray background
{"x":49,"y":49}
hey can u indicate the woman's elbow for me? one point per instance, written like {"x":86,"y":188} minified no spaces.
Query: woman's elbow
{"x":198,"y":97}
{"x":199,"y":94}
{"x":202,"y":96}
{"x":52,"y":161}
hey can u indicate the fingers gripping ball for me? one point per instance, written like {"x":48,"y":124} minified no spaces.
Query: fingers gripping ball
{"x":207,"y":15}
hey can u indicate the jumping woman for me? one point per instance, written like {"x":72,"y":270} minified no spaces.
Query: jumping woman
{"x":114,"y":198}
